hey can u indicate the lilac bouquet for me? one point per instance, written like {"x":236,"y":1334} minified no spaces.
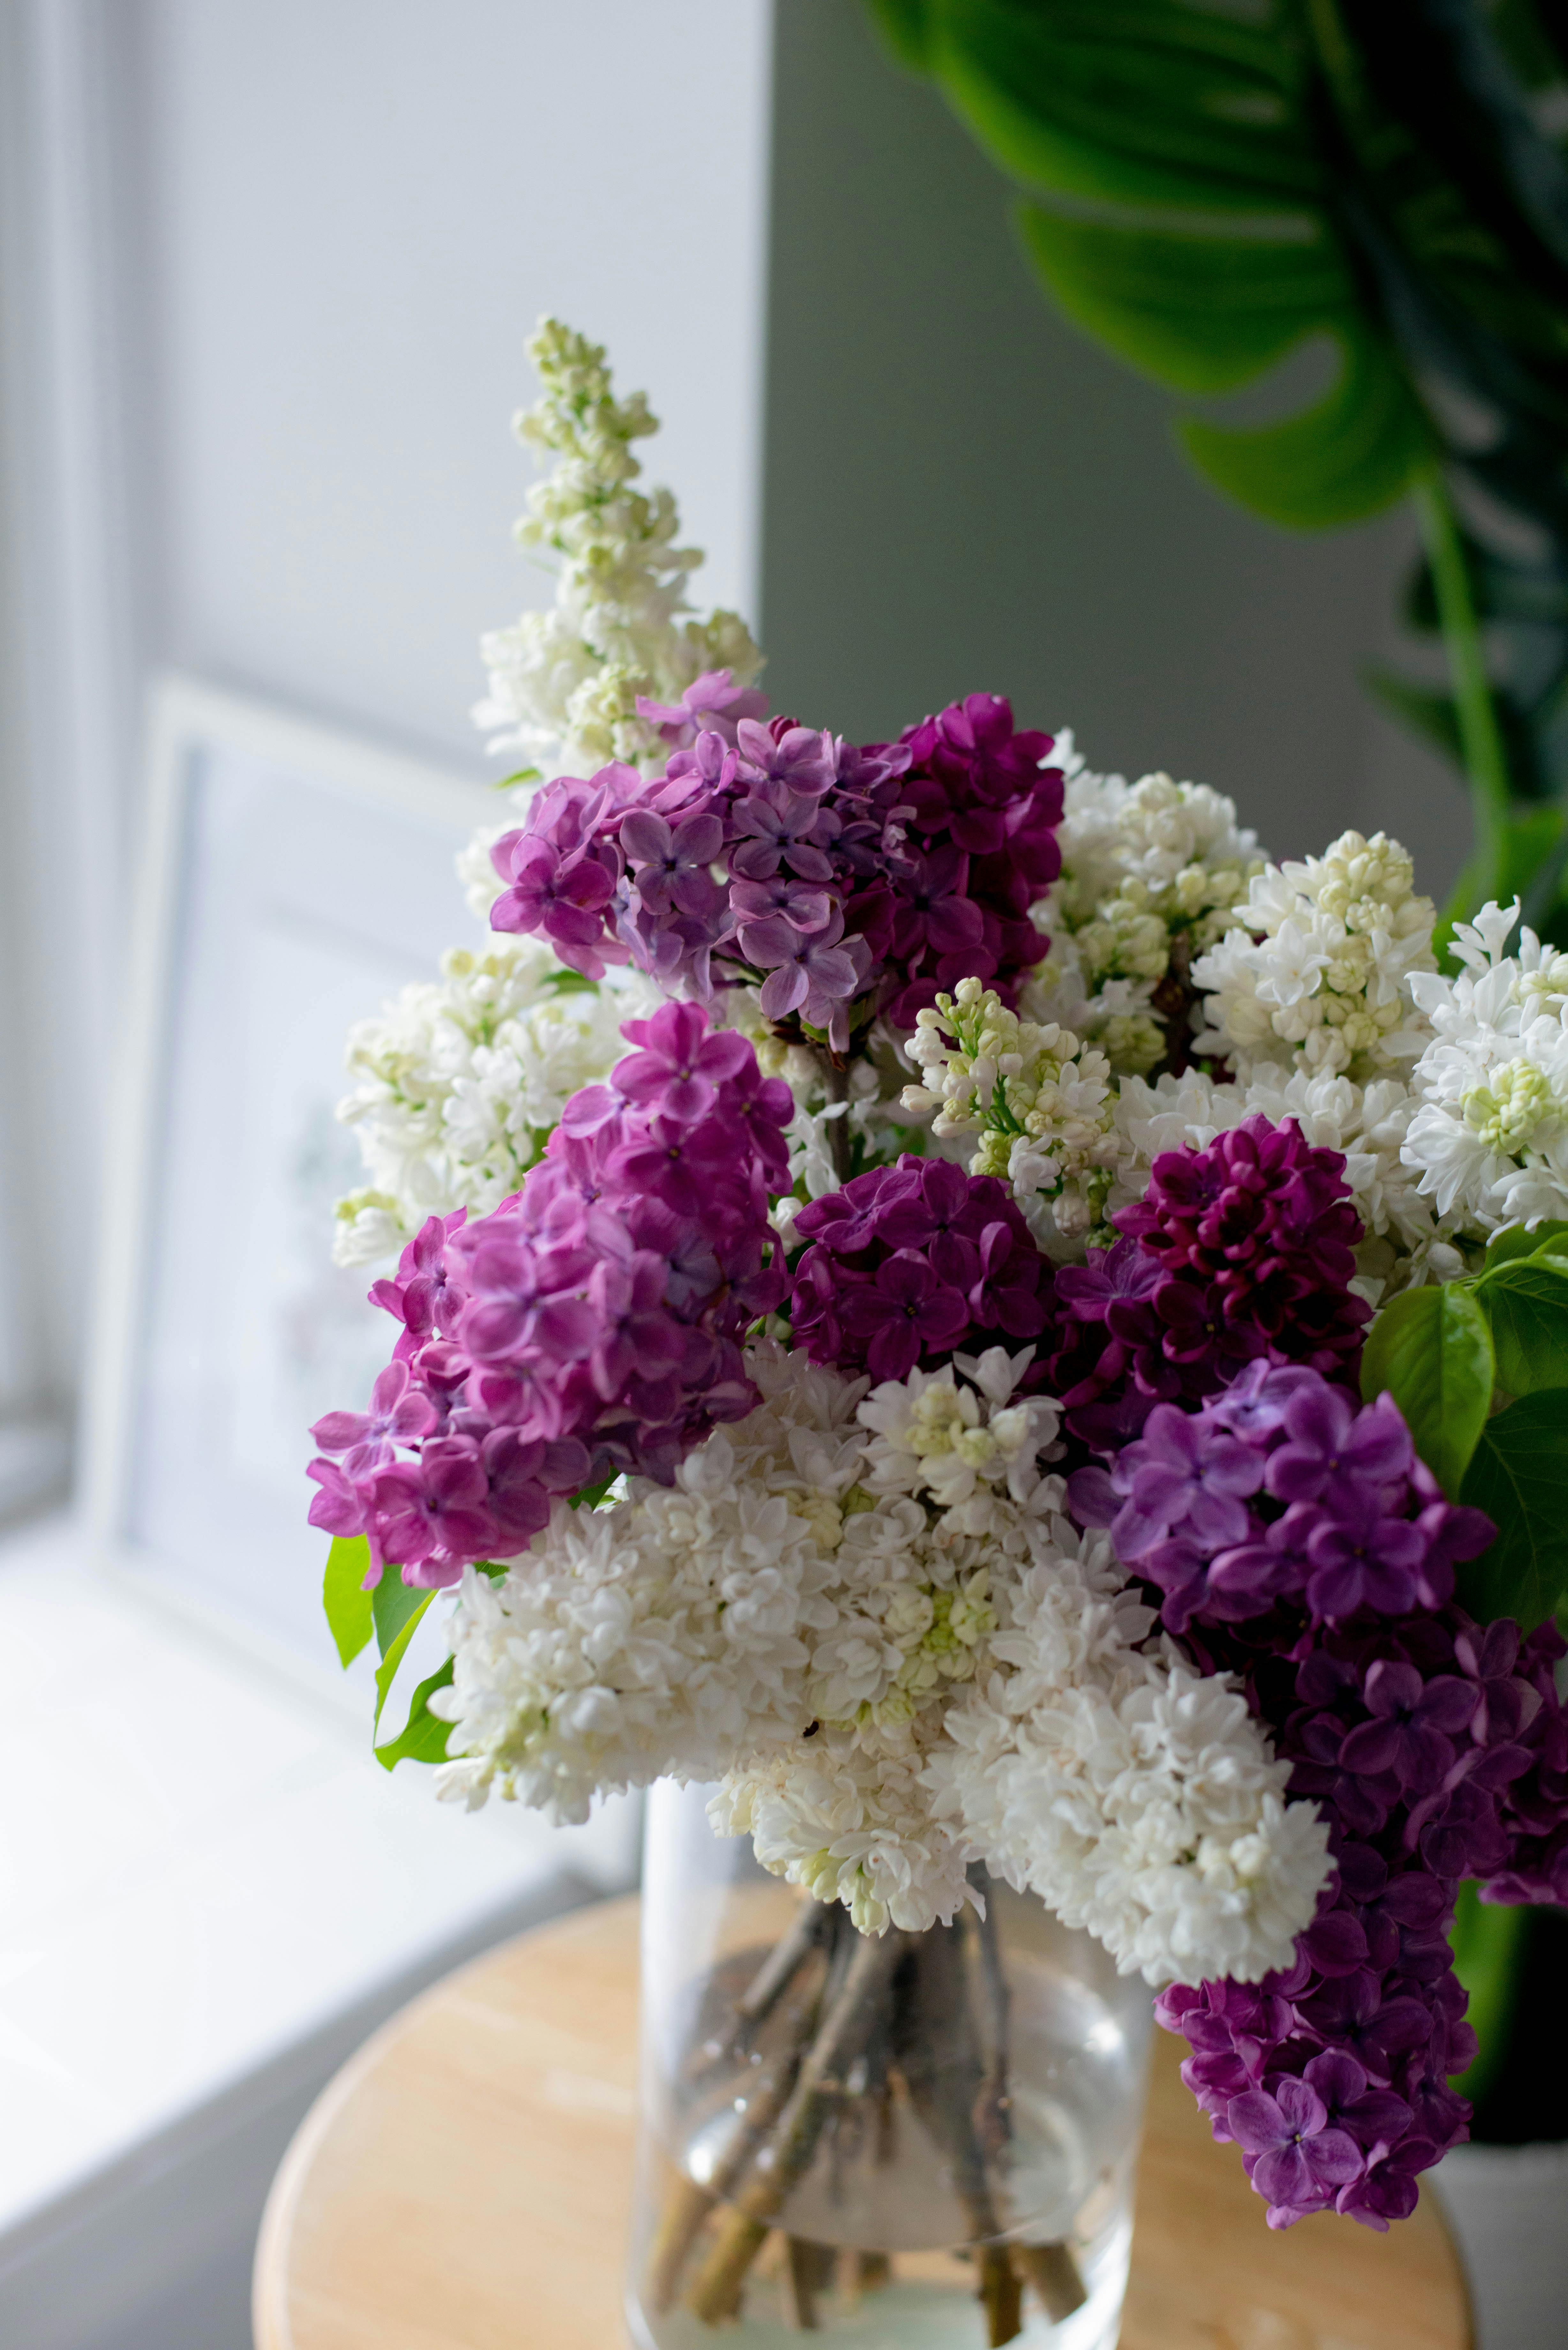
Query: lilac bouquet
{"x":946,"y":1293}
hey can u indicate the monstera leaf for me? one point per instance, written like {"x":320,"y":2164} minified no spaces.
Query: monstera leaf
{"x":1204,"y":191}
{"x":1222,"y":251}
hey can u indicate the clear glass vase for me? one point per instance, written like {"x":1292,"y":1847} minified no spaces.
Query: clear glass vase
{"x":916,"y":2142}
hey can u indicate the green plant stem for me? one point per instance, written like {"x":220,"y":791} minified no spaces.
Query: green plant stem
{"x":1480,"y":737}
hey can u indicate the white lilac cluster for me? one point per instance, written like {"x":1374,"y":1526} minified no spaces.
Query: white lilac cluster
{"x":867,"y":1614}
{"x":1321,"y":1003}
{"x":458,"y":1081}
{"x":1489,"y":1137}
{"x":1316,"y":972}
{"x":1150,"y":873}
{"x":1041,"y":1102}
{"x":1138,"y":1798}
{"x":563,"y":683}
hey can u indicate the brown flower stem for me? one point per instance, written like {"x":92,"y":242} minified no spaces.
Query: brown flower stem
{"x":782,"y":1964}
{"x":684,"y":2211}
{"x":993,"y":2106}
{"x":861,"y":2273}
{"x":808,"y":2271}
{"x":850,"y":2006}
{"x":690,"y":2204}
{"x":1001,"y":2296}
{"x":942,"y":2066}
{"x":1055,"y":2276}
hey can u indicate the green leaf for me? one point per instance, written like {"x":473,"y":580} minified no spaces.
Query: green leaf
{"x":1530,"y":837}
{"x":906,"y":27}
{"x":1197,"y":313}
{"x":1432,"y":1350}
{"x":1138,"y":101}
{"x":395,"y":1651}
{"x":344,"y":1595}
{"x":592,"y":1495}
{"x":422,"y":1738}
{"x":1486,"y":1942}
{"x":392,"y":1602}
{"x":1520,"y":1478}
{"x":1526,"y":1301}
{"x":1548,"y":1239}
{"x":1426,"y":713}
{"x":1355,"y":451}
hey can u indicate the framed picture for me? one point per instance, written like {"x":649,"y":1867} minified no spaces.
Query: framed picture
{"x":295,"y":878}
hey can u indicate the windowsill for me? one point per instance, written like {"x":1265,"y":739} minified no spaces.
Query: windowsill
{"x":205,"y":1874}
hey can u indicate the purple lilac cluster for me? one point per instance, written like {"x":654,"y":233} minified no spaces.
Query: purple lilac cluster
{"x":1238,"y":1252}
{"x":1298,"y":1542}
{"x":909,"y":1263}
{"x":846,"y":879}
{"x":591,"y":1324}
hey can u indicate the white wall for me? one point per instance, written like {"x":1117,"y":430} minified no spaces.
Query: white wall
{"x":269,"y":266}
{"x":352,"y":216}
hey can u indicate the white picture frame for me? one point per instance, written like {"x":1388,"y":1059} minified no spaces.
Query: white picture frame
{"x":382,"y":899}
{"x":359,"y":872}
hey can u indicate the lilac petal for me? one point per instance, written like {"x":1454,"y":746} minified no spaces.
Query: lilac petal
{"x":783,"y":989}
{"x":645,"y":837}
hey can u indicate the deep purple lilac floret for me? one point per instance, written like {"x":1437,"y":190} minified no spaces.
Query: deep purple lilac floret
{"x":1296,"y":1540}
{"x":591,"y":1324}
{"x":845,"y":879}
{"x":908,"y":1264}
{"x":1238,"y":1252}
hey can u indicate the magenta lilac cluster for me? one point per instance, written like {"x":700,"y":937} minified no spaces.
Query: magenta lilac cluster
{"x":591,"y":1324}
{"x":906,"y":1263}
{"x":1238,"y":1252}
{"x":1297,"y":1540}
{"x":846,"y":879}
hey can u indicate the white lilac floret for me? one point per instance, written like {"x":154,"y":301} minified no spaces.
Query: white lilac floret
{"x":1316,"y":972}
{"x":870,"y":1614}
{"x":566,"y":683}
{"x":458,"y":1083}
{"x":1038,"y":1101}
{"x":1150,"y":873}
{"x":1489,"y":1138}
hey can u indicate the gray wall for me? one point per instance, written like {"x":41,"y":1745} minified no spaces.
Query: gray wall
{"x":962,"y":492}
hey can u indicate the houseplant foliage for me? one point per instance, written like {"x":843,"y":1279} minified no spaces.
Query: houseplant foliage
{"x":1206,"y":188}
{"x":948,"y":1294}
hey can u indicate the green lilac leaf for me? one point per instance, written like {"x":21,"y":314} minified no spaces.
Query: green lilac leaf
{"x":1432,"y":1350}
{"x":1548,"y":1239}
{"x":392,"y":1602}
{"x":422,"y":1738}
{"x":1520,"y":1478}
{"x":1526,"y":1302}
{"x":345,"y":1597}
{"x":392,"y":1656}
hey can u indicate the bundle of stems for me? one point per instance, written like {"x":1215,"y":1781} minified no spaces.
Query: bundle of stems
{"x":839,"y":2031}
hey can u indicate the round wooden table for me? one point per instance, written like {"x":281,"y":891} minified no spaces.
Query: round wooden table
{"x":463,"y":2184}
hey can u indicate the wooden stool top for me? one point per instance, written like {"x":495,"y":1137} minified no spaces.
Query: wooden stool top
{"x":465,"y":2184}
